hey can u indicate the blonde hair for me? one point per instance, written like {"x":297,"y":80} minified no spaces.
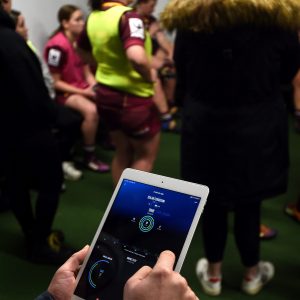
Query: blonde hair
{"x":206,"y":15}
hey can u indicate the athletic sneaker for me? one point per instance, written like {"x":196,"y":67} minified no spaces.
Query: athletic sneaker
{"x":253,"y":286}
{"x":292,"y":211}
{"x":94,"y":164}
{"x":50,"y":251}
{"x":57,"y":236}
{"x":168,"y":124}
{"x":70,"y":172}
{"x":210,"y":285}
{"x":267,"y":233}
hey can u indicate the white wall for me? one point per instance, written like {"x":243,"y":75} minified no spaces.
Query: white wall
{"x":159,"y":6}
{"x":41,"y":20}
{"x":40,"y":16}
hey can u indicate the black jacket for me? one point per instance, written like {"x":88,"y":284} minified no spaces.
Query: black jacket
{"x":25,"y":106}
{"x":231,"y":58}
{"x":234,"y":135}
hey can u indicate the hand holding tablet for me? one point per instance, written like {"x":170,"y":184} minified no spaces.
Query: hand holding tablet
{"x":158,"y":283}
{"x":147,"y":214}
{"x":161,"y":282}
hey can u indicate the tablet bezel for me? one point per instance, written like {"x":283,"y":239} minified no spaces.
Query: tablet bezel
{"x":159,"y":181}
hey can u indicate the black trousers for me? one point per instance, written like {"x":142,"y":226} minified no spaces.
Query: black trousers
{"x":34,"y":163}
{"x":246,"y":231}
{"x":67,"y":129}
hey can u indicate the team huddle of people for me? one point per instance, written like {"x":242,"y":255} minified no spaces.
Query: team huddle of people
{"x":118,"y":70}
{"x":79,"y":91}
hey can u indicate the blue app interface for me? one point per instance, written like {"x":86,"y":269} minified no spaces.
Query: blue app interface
{"x":143,"y":221}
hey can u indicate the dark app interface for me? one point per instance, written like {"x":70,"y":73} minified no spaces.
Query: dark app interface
{"x":143,"y":221}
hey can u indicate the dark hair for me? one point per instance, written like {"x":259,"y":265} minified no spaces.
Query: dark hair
{"x":137,"y":2}
{"x":14,"y":14}
{"x":140,"y":1}
{"x":95,"y":4}
{"x":64,"y":14}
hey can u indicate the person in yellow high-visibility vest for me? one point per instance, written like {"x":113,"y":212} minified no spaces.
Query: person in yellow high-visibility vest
{"x":116,"y":38}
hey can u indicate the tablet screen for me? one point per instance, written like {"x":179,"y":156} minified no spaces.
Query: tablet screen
{"x":143,"y":221}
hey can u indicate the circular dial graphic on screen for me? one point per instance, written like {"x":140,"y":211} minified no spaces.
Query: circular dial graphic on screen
{"x":100,"y":273}
{"x":146,"y":223}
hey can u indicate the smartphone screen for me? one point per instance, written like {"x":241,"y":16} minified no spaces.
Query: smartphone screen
{"x":143,"y":221}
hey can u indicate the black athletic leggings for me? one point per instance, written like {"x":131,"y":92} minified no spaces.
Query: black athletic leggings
{"x":35,"y":163}
{"x":246,"y":231}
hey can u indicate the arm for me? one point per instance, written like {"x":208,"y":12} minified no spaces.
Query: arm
{"x":89,"y":76}
{"x":56,"y":58}
{"x":133,"y":39}
{"x":136,"y":54}
{"x":162,"y":40}
{"x":62,"y":285}
{"x":161,"y":282}
{"x":165,"y":44}
{"x":65,"y":87}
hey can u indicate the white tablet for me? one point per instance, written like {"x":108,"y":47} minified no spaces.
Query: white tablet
{"x":147,"y":214}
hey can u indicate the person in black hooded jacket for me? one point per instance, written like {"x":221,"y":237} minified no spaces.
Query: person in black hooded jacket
{"x":231,"y":58}
{"x":29,"y":153}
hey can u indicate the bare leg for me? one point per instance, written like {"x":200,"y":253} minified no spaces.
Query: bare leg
{"x":251,"y":272}
{"x":169,"y":85}
{"x":159,"y":98}
{"x":89,"y":112}
{"x":214,"y":269}
{"x":123,"y":155}
{"x":89,"y":128}
{"x":145,"y":152}
{"x":133,"y":153}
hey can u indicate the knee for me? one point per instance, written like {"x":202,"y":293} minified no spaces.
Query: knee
{"x":148,"y":165}
{"x":91,"y":113}
{"x":145,"y":162}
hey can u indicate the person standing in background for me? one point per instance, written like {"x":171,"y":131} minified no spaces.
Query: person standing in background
{"x":30,"y":158}
{"x":162,"y":62}
{"x":68,"y":121}
{"x":6,"y":5}
{"x":231,"y":58}
{"x":124,"y":92}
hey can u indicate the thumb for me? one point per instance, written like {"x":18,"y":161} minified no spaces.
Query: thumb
{"x":73,"y":263}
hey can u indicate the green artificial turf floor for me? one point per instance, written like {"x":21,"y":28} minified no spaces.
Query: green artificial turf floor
{"x":83,"y":204}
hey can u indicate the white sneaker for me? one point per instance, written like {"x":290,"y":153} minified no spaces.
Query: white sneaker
{"x":266,"y":272}
{"x":211,"y":286}
{"x":70,"y":172}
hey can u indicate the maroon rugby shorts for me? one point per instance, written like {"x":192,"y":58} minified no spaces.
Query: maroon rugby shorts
{"x":137,"y":117}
